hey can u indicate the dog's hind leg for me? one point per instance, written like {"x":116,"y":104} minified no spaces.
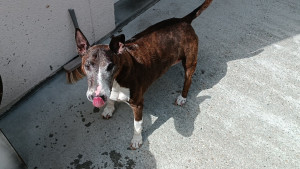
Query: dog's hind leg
{"x":189,"y":64}
{"x":109,"y":109}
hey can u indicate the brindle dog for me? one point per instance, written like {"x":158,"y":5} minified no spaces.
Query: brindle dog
{"x":123,"y":70}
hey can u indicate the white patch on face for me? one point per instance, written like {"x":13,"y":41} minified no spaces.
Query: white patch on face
{"x":103,"y":82}
{"x":119,"y":93}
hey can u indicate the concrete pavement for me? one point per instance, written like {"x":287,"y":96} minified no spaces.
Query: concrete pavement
{"x":242,"y":109}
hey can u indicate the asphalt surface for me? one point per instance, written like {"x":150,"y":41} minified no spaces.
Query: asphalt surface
{"x":242,"y":110}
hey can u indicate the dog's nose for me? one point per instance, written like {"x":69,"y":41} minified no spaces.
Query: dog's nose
{"x":97,"y":92}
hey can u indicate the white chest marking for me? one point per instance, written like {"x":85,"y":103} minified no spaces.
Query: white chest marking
{"x":119,"y":93}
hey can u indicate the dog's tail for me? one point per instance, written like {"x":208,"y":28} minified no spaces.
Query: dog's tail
{"x":191,"y":16}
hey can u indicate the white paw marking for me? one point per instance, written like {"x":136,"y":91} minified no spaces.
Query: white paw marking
{"x":180,"y":100}
{"x":108,"y":110}
{"x":137,"y":139}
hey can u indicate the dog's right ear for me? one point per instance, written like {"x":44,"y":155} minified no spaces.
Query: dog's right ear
{"x":117,"y":44}
{"x":81,"y":42}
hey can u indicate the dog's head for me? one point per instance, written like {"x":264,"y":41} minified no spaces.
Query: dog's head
{"x":99,"y":64}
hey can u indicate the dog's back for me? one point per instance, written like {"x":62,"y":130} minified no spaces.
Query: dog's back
{"x":162,"y":45}
{"x":165,"y":44}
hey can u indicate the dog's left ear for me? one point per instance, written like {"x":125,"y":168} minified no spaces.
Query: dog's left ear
{"x":117,"y":44}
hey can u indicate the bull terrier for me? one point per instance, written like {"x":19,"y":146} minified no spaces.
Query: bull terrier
{"x":123,"y":70}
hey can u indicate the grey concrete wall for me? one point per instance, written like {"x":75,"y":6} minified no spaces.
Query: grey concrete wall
{"x":37,"y":38}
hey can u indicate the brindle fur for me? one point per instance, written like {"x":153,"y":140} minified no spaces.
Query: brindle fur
{"x":139,"y":61}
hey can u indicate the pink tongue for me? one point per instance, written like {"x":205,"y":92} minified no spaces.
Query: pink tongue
{"x":98,"y":102}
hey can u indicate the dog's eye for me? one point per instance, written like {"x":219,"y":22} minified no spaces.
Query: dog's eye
{"x":88,"y":64}
{"x":109,"y":67}
{"x":95,"y":55}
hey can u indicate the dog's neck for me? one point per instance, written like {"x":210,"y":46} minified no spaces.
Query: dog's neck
{"x":125,"y":72}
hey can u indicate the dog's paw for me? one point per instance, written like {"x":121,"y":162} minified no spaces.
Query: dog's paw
{"x":180,"y":101}
{"x":107,"y":112}
{"x":136,"y":141}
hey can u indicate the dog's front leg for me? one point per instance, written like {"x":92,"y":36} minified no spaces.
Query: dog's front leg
{"x":137,"y":139}
{"x":109,"y":109}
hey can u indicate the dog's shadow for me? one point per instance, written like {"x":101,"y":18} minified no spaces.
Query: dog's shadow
{"x":183,"y":117}
{"x":159,"y":106}
{"x":160,"y":97}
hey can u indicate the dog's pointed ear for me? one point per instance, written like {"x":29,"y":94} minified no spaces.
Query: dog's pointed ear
{"x":81,"y":42}
{"x":117,"y":44}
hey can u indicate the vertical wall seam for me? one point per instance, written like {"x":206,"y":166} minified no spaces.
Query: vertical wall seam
{"x":92,"y":22}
